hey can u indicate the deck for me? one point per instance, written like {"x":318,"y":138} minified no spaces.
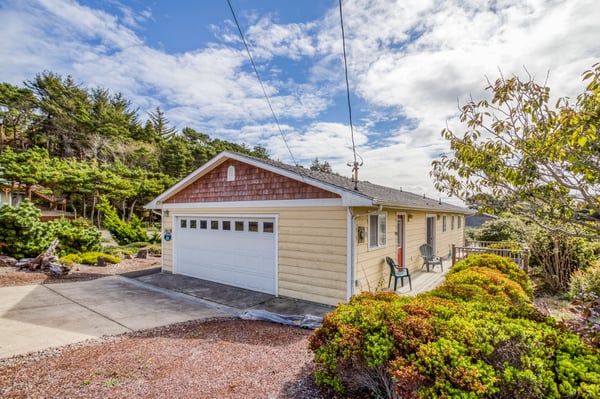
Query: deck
{"x":423,"y":281}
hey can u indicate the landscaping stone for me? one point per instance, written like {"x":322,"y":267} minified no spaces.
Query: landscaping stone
{"x":142,"y":254}
{"x":7,"y":261}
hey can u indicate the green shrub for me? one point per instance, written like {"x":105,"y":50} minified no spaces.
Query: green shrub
{"x":503,"y":229}
{"x":70,"y":259}
{"x":91,"y":258}
{"x":123,"y":233}
{"x":584,"y":290}
{"x":119,"y":251}
{"x":496,"y":262}
{"x":585,"y":281}
{"x":484,"y":285}
{"x":513,"y":246}
{"x":383,"y":345}
{"x":22,"y":234}
{"x":558,"y":256}
{"x":75,"y":236}
{"x":154,"y":249}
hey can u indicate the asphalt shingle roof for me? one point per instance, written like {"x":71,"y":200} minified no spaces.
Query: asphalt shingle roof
{"x":379,"y":194}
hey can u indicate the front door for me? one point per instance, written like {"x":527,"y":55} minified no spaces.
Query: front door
{"x":400,"y":239}
{"x":431,"y":231}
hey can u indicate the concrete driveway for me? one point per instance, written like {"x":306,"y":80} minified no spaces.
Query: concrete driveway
{"x":36,"y":317}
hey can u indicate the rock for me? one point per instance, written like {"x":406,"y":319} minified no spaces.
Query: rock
{"x":101,"y":261}
{"x":142,"y":254}
{"x":7,"y":261}
{"x":57,"y":269}
{"x":127,"y":256}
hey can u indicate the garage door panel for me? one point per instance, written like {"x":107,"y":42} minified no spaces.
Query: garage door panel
{"x":240,"y":258}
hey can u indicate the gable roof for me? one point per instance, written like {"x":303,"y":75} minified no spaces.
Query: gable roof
{"x":368,"y":194}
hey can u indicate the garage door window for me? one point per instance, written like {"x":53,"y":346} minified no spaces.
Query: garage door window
{"x":214,"y":225}
{"x":193,"y":224}
{"x":239,"y":226}
{"x":226,"y":225}
{"x":203,"y":225}
{"x":253,"y":226}
{"x":183,"y":223}
{"x":267,"y":227}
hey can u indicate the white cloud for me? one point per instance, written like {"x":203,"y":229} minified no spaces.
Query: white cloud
{"x":408,"y":61}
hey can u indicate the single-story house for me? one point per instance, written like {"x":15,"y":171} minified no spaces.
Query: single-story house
{"x":290,"y":231}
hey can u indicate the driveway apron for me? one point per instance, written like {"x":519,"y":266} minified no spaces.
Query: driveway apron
{"x":36,"y":317}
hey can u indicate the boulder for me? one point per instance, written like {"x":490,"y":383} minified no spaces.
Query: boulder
{"x":7,"y":261}
{"x":142,"y":254}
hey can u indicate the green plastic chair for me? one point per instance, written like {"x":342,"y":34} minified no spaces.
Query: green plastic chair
{"x":397,"y":272}
{"x":429,"y":258}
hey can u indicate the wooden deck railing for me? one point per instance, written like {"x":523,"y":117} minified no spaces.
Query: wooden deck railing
{"x":519,"y":256}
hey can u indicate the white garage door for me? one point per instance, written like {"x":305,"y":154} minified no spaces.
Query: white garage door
{"x":238,"y":251}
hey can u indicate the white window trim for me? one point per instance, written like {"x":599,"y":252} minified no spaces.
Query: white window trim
{"x":381,"y":243}
{"x":231,"y":173}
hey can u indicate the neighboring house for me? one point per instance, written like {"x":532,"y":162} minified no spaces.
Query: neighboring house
{"x":476,"y":220}
{"x":289,"y":231}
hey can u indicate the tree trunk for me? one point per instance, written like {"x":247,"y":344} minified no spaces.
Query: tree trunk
{"x":131,"y":208}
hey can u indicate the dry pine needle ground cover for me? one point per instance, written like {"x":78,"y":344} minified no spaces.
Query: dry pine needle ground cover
{"x":210,"y":359}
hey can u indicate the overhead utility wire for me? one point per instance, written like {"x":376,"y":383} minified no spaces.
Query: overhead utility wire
{"x":260,"y":81}
{"x":355,"y":165}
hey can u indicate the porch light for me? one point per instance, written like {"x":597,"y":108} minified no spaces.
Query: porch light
{"x":409,"y":217}
{"x":166,"y":213}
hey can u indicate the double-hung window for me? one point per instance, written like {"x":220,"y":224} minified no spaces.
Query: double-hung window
{"x":377,"y":231}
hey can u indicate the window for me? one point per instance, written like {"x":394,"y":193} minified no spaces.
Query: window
{"x":377,"y":231}
{"x":452,"y":223}
{"x":193,"y":224}
{"x":231,"y":173}
{"x":267,"y":227}
{"x":226,"y":225}
{"x":239,"y":225}
{"x":203,"y":224}
{"x":183,"y":223}
{"x":214,"y":225}
{"x":459,"y":222}
{"x":253,"y":226}
{"x":444,"y":224}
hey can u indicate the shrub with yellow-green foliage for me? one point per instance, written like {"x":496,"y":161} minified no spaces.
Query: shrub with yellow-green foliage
{"x":70,"y":259}
{"x":496,"y":262}
{"x":90,"y":258}
{"x":585,"y":281}
{"x":476,"y":336}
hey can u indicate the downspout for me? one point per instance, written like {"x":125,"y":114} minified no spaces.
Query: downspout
{"x":353,"y":260}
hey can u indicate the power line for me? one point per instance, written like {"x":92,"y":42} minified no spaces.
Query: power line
{"x":260,"y":81}
{"x":354,"y":165}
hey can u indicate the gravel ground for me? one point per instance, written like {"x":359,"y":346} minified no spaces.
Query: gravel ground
{"x":211,"y":359}
{"x":198,"y":359}
{"x":11,"y":276}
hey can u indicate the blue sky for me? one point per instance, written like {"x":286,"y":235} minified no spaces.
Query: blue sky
{"x":410,"y":63}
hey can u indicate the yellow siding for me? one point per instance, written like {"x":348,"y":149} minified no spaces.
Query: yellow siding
{"x":371,"y":271}
{"x":167,"y":246}
{"x":312,"y":258}
{"x":312,"y":253}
